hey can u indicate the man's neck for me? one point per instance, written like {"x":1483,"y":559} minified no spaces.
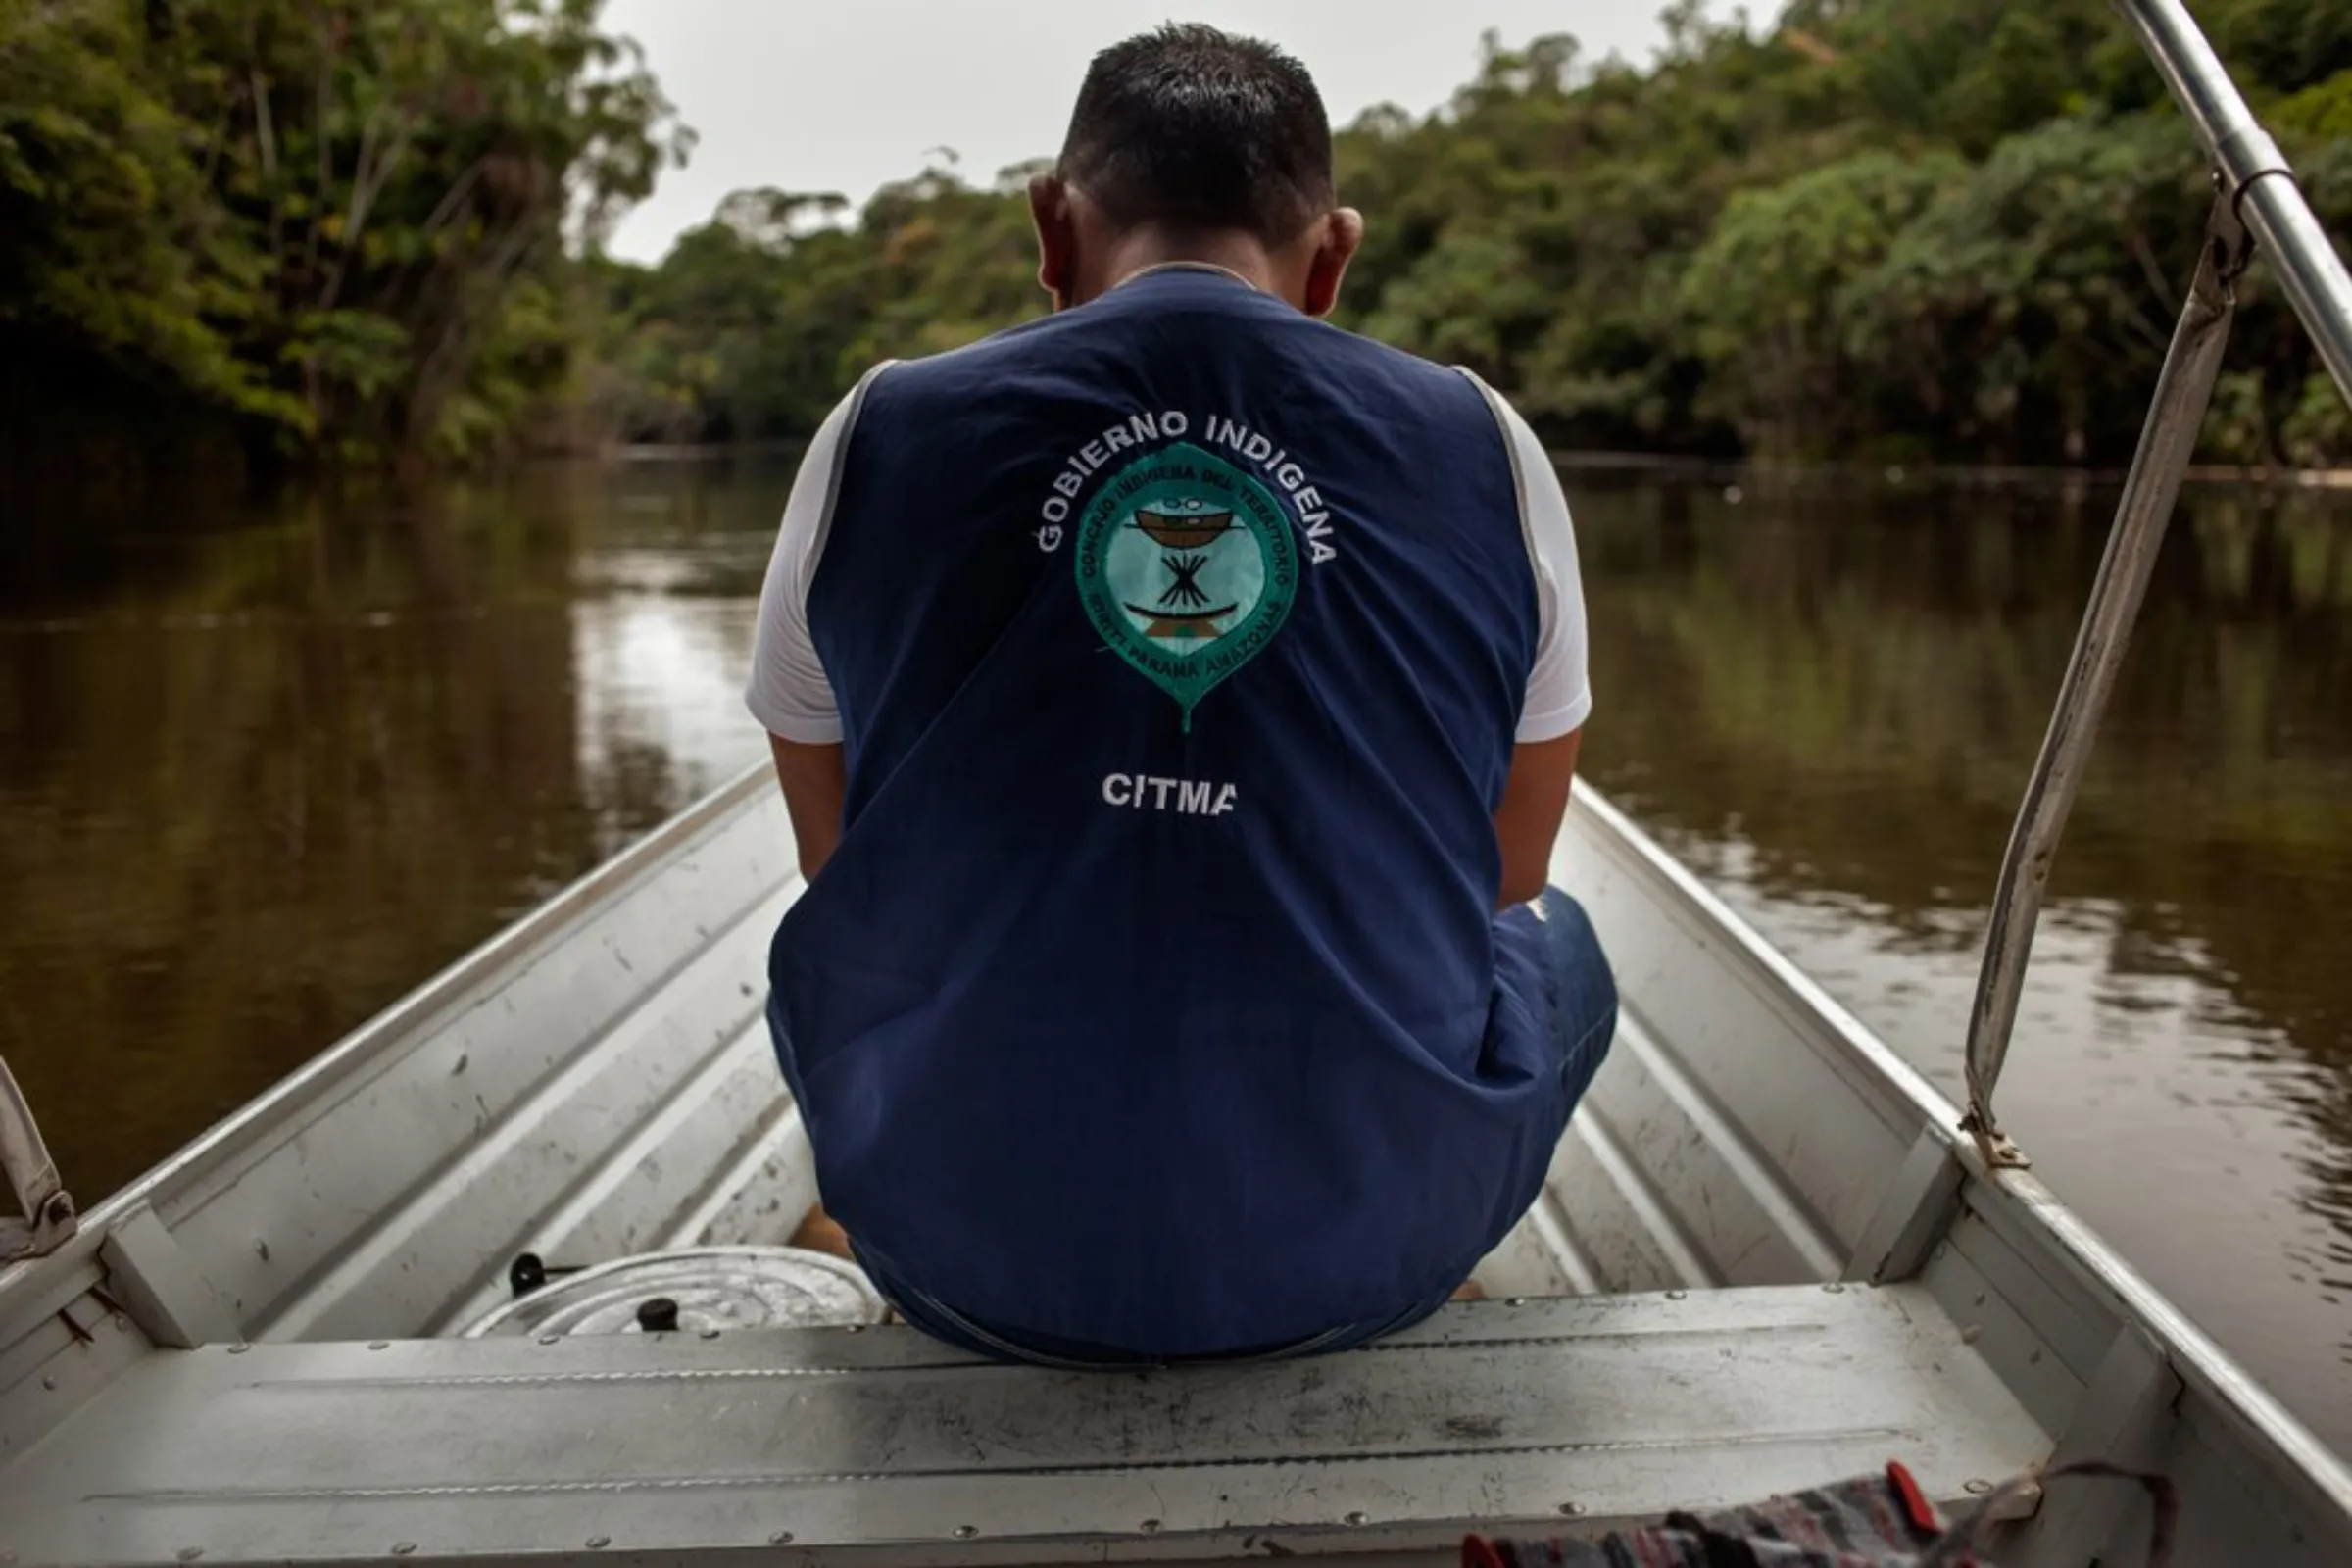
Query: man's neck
{"x":1242,"y":256}
{"x":1187,"y":266}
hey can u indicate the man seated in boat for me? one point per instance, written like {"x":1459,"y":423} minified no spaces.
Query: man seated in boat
{"x":1176,"y":700}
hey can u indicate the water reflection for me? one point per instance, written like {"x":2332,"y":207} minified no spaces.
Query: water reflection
{"x":261,"y":778}
{"x":263,"y":773}
{"x":1827,"y":702}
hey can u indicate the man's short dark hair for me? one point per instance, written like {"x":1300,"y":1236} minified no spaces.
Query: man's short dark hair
{"x":1200,"y":129}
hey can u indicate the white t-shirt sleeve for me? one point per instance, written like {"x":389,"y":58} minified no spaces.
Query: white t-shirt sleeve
{"x":789,"y":691}
{"x":1559,"y":688}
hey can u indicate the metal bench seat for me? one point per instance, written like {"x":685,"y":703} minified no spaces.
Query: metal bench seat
{"x":882,"y":1447}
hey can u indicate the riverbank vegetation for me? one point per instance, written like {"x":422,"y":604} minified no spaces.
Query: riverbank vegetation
{"x":337,"y":228}
{"x":1894,"y":229}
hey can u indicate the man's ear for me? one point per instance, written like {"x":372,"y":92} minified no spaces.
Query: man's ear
{"x":1057,"y":237}
{"x":1339,"y":234}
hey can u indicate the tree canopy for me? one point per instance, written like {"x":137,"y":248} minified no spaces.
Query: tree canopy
{"x":1949,"y":229}
{"x":341,"y":221}
{"x":1932,"y":229}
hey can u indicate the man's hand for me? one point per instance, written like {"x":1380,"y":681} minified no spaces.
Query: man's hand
{"x":1534,"y":802}
{"x":815,"y":783}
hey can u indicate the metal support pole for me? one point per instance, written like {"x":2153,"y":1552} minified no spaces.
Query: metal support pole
{"x":49,"y":1220}
{"x":2260,"y":204}
{"x":2255,"y":175}
{"x":2166,"y":445}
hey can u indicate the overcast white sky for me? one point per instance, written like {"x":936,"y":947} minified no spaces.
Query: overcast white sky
{"x":846,"y":94}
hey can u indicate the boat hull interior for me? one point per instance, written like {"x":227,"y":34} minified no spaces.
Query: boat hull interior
{"x":1764,"y":1259}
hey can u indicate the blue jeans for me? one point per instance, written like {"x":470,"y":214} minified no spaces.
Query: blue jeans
{"x":1025,"y":1349}
{"x":1584,"y":998}
{"x":1584,"y":1022}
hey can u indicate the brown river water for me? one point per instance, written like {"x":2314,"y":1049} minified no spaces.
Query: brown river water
{"x":261,"y":771}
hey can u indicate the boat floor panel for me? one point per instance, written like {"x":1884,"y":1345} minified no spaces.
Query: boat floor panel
{"x":881,"y":1446}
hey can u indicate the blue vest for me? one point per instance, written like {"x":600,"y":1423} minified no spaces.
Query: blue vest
{"x":1155,"y":997}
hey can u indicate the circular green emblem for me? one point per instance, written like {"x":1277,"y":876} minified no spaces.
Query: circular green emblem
{"x":1186,"y":567}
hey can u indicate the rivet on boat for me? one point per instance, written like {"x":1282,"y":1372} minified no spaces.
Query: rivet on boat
{"x":239,"y":1350}
{"x":189,"y":1553}
{"x":1359,"y":1517}
{"x":2034,"y":1359}
{"x":709,"y":1334}
{"x":1150,"y":1527}
{"x":1971,"y":1334}
{"x":1516,"y":1301}
{"x":1677,"y":1296}
{"x":598,"y":1542}
{"x":1572,"y":1510}
{"x":1979,"y":1487}
{"x":379,"y":1344}
{"x":782,"y":1538}
{"x":50,"y":1383}
{"x":966,"y":1532}
{"x":401,"y":1548}
{"x":549,"y":1339}
{"x":1835,"y":1288}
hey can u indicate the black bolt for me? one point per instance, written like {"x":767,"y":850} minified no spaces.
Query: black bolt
{"x":527,"y":1273}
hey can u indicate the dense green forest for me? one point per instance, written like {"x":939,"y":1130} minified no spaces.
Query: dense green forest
{"x":333,"y":228}
{"x":1894,"y":229}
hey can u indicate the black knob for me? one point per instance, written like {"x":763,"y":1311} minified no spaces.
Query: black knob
{"x":658,"y":1315}
{"x":526,"y":1274}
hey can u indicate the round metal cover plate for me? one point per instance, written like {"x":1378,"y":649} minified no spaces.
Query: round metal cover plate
{"x":723,"y":1288}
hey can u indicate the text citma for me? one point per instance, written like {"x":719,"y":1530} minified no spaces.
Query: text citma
{"x":1192,"y":796}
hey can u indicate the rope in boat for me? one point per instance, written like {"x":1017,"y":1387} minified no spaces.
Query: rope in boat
{"x":1970,"y":1533}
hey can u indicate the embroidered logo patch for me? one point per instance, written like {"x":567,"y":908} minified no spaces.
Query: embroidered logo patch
{"x":1186,"y":567}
